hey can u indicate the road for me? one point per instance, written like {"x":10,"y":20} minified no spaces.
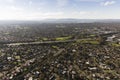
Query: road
{"x":35,"y":43}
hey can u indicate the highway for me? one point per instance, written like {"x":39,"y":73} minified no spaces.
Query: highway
{"x":36,"y":43}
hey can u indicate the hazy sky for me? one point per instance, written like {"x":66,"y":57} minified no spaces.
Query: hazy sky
{"x":57,"y":9}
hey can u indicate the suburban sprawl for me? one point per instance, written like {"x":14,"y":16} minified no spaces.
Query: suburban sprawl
{"x":60,"y":51}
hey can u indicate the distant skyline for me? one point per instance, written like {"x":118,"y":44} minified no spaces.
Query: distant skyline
{"x":59,"y":9}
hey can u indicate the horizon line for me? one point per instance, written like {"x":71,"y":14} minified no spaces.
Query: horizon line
{"x":54,"y":19}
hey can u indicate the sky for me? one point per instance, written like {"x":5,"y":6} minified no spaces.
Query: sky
{"x":59,"y":9}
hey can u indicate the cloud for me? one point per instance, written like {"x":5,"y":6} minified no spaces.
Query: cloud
{"x":62,"y":2}
{"x":90,"y":0}
{"x":8,"y":1}
{"x":41,"y":15}
{"x":53,"y":13}
{"x":83,"y":12}
{"x":30,"y":2}
{"x":11,"y":1}
{"x":16,"y":13}
{"x":80,"y":13}
{"x":107,"y":3}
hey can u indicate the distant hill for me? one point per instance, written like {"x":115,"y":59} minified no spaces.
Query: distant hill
{"x":61,"y":21}
{"x":82,"y":20}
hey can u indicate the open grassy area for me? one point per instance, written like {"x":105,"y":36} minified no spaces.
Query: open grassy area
{"x":44,"y":39}
{"x":55,"y":47}
{"x":63,"y":38}
{"x":115,"y":44}
{"x":92,"y":35}
{"x":89,"y":41}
